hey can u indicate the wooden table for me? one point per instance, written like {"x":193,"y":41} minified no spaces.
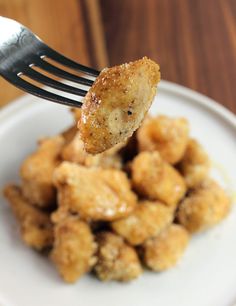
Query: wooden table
{"x":72,"y":27}
{"x":193,"y":40}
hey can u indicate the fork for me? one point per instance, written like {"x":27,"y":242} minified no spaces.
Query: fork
{"x":21,"y":51}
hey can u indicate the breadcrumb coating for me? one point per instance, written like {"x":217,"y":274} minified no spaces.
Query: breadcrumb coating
{"x":147,"y":220}
{"x":76,"y":113}
{"x":168,"y":136}
{"x":37,"y":170}
{"x":105,"y":195}
{"x":74,"y":152}
{"x":165,"y":250}
{"x":115,"y":259}
{"x":155,"y":179}
{"x":116,"y":104}
{"x":73,"y":249}
{"x":195,"y":164}
{"x":35,"y":225}
{"x":69,"y":134}
{"x":205,"y":206}
{"x":104,"y":160}
{"x":94,"y":193}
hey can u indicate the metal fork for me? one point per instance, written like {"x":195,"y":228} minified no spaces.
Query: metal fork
{"x":21,"y":51}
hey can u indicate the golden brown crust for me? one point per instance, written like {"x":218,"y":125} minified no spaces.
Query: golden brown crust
{"x":83,"y":208}
{"x":73,"y":249}
{"x":35,"y":225}
{"x":69,"y":134}
{"x":116,"y":260}
{"x":104,"y":160}
{"x":165,"y":250}
{"x":195,"y":164}
{"x":168,"y":136}
{"x":147,"y":220}
{"x":205,"y":206}
{"x":116,"y":104}
{"x":76,"y":113}
{"x":94,"y":193}
{"x":37,"y":170}
{"x":74,"y":152}
{"x":155,"y":179}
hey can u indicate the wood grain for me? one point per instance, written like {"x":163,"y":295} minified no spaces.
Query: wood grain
{"x":194,"y":41}
{"x":95,"y":33}
{"x":59,"y":23}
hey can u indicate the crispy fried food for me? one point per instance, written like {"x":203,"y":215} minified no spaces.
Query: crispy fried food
{"x":35,"y":225}
{"x":155,"y":179}
{"x":76,"y":113}
{"x":129,"y":151}
{"x":94,"y":193}
{"x":165,"y":250}
{"x":74,"y":152}
{"x":205,"y":206}
{"x":116,"y":104}
{"x":69,"y":134}
{"x":116,"y":260}
{"x":147,"y":220}
{"x":104,"y":160}
{"x":166,"y":135}
{"x":74,"y":248}
{"x":37,"y":169}
{"x":195,"y":164}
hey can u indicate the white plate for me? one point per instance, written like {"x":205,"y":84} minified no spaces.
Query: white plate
{"x":205,"y":277}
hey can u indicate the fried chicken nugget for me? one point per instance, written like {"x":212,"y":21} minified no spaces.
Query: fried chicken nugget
{"x":35,"y":225}
{"x":155,"y":179}
{"x":73,"y":249}
{"x":205,"y":206}
{"x":166,"y":135}
{"x":165,"y":250}
{"x":147,"y":220}
{"x":107,"y":159}
{"x":37,"y":169}
{"x":74,"y":152}
{"x":69,"y":134}
{"x":116,"y":260}
{"x":116,"y":104}
{"x":94,"y":193}
{"x":76,"y":113}
{"x":104,"y":160}
{"x":195,"y":164}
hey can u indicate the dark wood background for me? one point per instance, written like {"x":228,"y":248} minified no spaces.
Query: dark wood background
{"x":193,"y":40}
{"x":60,"y":25}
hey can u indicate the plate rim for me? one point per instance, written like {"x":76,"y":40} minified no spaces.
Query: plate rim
{"x":26,"y":103}
{"x":19,"y":104}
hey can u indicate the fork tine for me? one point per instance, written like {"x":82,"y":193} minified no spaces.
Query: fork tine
{"x":68,"y":62}
{"x":37,"y":61}
{"x":37,"y":76}
{"x":39,"y":92}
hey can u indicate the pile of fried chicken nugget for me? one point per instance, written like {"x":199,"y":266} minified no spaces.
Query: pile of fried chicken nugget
{"x":135,"y":205}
